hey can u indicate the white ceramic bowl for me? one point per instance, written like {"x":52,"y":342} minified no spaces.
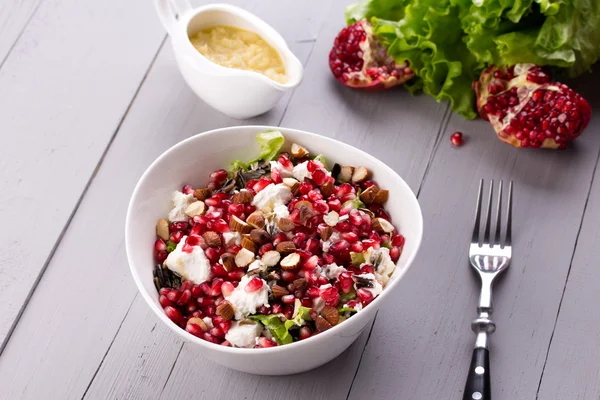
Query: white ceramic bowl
{"x":190,"y":162}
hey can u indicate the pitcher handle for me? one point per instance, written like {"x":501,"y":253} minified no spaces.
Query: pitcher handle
{"x":170,"y":10}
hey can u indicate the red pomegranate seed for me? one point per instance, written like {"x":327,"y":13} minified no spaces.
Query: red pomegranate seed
{"x":205,"y":301}
{"x":254,"y":284}
{"x":344,"y":226}
{"x":217,"y":332}
{"x":196,"y":291}
{"x":299,"y":239}
{"x":194,"y":330}
{"x":226,"y":343}
{"x":187,"y":189}
{"x":334,"y":205}
{"x":225,"y":326}
{"x":213,"y":254}
{"x":160,"y":245}
{"x":236,"y":209}
{"x":322,"y":280}
{"x":164,"y":291}
{"x":339,"y":247}
{"x":295,"y":216}
{"x":227,"y":288}
{"x":236,"y":275}
{"x":305,"y":187}
{"x":312,"y":245}
{"x":277,"y":308}
{"x":280,"y":237}
{"x":367,"y":269}
{"x":193,"y":240}
{"x":288,"y":299}
{"x":288,"y":276}
{"x":285,"y":163}
{"x":328,"y":258}
{"x":205,"y":287}
{"x":263,"y":342}
{"x":178,"y":226}
{"x":185,"y":297}
{"x":315,"y":195}
{"x":173,"y":314}
{"x":331,"y":296}
{"x":320,"y":206}
{"x":305,"y":333}
{"x":264,"y":310}
{"x":191,"y":307}
{"x":398,"y":240}
{"x":456,"y":139}
{"x":357,"y":247}
{"x":319,"y":177}
{"x":210,"y":310}
{"x":174,"y":295}
{"x":164,"y":301}
{"x":160,"y":256}
{"x":367,"y":243}
{"x":346,"y":282}
{"x":311,"y":263}
{"x":213,"y":202}
{"x":288,"y":311}
{"x":350,"y":237}
{"x":264,"y":248}
{"x":395,"y":253}
{"x":249,"y":209}
{"x":307,"y":302}
{"x":210,"y":338}
{"x":375,"y":236}
{"x":276,"y":176}
{"x":355,"y":218}
{"x":364,"y":295}
{"x":218,"y":270}
{"x":219,"y":175}
{"x":261,"y":184}
{"x":313,"y":292}
{"x":201,"y":219}
{"x":343,"y":190}
{"x":215,"y":288}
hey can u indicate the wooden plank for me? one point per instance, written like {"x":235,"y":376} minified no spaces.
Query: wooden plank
{"x":424,"y":344}
{"x":57,"y":118}
{"x":572,"y":369}
{"x":165,"y":112}
{"x":14,"y":16}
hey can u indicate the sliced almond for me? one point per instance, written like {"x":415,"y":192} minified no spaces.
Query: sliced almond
{"x":248,"y":244}
{"x":360,"y":174}
{"x":256,"y":220}
{"x":212,"y":239}
{"x":381,"y":197}
{"x":279,"y":291}
{"x":322,"y":324}
{"x":331,"y":315}
{"x":259,"y":236}
{"x":306,"y":213}
{"x":381,"y":225}
{"x":285,"y":224}
{"x":243,"y":197}
{"x":295,"y":188}
{"x":290,"y":262}
{"x":326,"y":233}
{"x":297,"y":305}
{"x":285,"y":247}
{"x":243,"y":258}
{"x":331,"y":218}
{"x":327,"y":189}
{"x":202,"y":194}
{"x":271,"y":258}
{"x":298,"y":151}
{"x":289,"y":182}
{"x":198,"y":321}
{"x":345,"y":174}
{"x":274,"y":276}
{"x":228,"y":261}
{"x":300,"y":283}
{"x":162,"y":229}
{"x":225,"y":310}
{"x":238,"y":225}
{"x":369,"y":194}
{"x":303,"y":203}
{"x":195,"y":208}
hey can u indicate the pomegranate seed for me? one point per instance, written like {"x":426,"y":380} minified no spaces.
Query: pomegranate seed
{"x":368,"y":243}
{"x":311,"y":263}
{"x":219,"y":175}
{"x":398,"y":240}
{"x":276,"y":308}
{"x":227,"y":288}
{"x":186,"y":285}
{"x":344,"y":189}
{"x":299,"y":239}
{"x":328,"y":258}
{"x":304,"y":333}
{"x":307,"y":302}
{"x":210,"y":338}
{"x":250,"y":184}
{"x":218,"y":270}
{"x":288,"y":276}
{"x":288,"y":299}
{"x":160,"y":256}
{"x":205,"y":301}
{"x":276,"y":176}
{"x":346,"y":282}
{"x":350,"y":237}
{"x":313,"y":292}
{"x":249,"y":209}
{"x":322,"y":280}
{"x":288,"y":311}
{"x":213,"y":254}
{"x":217,"y":332}
{"x":261,"y":184}
{"x":196,"y":291}
{"x":280,"y":237}
{"x":367,"y":269}
{"x":357,"y":247}
{"x":160,"y":245}
{"x":311,"y":166}
{"x":193,"y":240}
{"x":254,"y":284}
{"x":265,"y":343}
{"x":191,"y":307}
{"x":187,"y":189}
{"x":236,"y":209}
{"x":395,"y":254}
{"x":213,"y":202}
{"x":174,"y":295}
{"x":315,"y":195}
{"x":375,"y":236}
{"x":173,"y":314}
{"x":236,"y":275}
{"x":331,"y":296}
{"x":194,"y":330}
{"x":210,"y":310}
{"x":320,"y":206}
{"x":364,"y":295}
{"x":319,"y":177}
{"x":185,"y":297}
{"x":264,"y":310}
{"x":334,"y":204}
{"x":456,"y":139}
{"x":225,"y":326}
{"x":285,"y":163}
{"x":164,"y":301}
{"x":178,"y":226}
{"x":164,"y":291}
{"x":305,"y":187}
{"x":264,"y":248}
{"x":215,"y":288}
{"x":339,"y":247}
{"x":312,"y":245}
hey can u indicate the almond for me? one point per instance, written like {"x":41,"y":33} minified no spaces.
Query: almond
{"x":238,"y":225}
{"x":243,"y":258}
{"x":294,"y":188}
{"x":303,"y":203}
{"x":243,"y":197}
{"x":274,"y":275}
{"x":369,"y":194}
{"x":212,"y":239}
{"x":291,"y":261}
{"x":306,"y":213}
{"x":248,"y":244}
{"x":259,"y":236}
{"x":327,"y":189}
{"x":300,"y":283}
{"x":326,"y":233}
{"x":195,"y":208}
{"x":279,"y":291}
{"x":331,"y":218}
{"x":228,"y":261}
{"x":271,"y":258}
{"x":285,"y":224}
{"x":322,"y":324}
{"x":198,"y":321}
{"x":256,"y":220}
{"x":162,"y":229}
{"x":285,"y":247}
{"x":345,"y":174}
{"x":381,"y":225}
{"x":289,"y":182}
{"x":225,"y":310}
{"x":331,"y":315}
{"x":298,"y":151}
{"x":360,"y":174}
{"x":381,"y":197}
{"x":202,"y":194}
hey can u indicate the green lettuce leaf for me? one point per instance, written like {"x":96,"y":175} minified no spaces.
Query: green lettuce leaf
{"x":281,"y":330}
{"x":270,"y":144}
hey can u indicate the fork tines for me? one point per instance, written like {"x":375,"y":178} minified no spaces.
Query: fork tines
{"x":496,"y":240}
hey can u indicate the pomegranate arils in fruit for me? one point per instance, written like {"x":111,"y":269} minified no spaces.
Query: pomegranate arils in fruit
{"x":456,"y":139}
{"x":531,"y":110}
{"x":360,"y":61}
{"x":254,"y":284}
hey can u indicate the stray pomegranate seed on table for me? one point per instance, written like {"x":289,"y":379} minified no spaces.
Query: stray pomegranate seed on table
{"x":456,"y":139}
{"x":274,"y":251}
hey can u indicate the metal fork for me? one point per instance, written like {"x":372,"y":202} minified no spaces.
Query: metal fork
{"x":489,"y":257}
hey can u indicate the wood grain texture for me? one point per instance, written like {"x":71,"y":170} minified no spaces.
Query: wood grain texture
{"x":14,"y":16}
{"x":65,"y":88}
{"x":572,"y":367}
{"x":426,"y":341}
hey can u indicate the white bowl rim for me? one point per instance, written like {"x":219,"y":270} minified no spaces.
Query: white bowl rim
{"x":250,"y":351}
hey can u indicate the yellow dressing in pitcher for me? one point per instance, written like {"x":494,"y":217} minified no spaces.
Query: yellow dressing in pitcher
{"x":237,"y":48}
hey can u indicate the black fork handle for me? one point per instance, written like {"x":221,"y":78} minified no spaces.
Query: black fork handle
{"x":478,"y":380}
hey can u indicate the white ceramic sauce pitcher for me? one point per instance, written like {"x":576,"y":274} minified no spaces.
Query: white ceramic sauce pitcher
{"x":234,"y":92}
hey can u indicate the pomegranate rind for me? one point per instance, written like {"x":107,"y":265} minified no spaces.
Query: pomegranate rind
{"x":554,"y":113}
{"x":360,"y":61}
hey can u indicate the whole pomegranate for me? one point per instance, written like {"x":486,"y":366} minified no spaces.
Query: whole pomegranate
{"x":527,"y":109}
{"x":360,"y":61}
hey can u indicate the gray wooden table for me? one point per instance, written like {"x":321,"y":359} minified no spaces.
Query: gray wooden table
{"x":90,"y":96}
